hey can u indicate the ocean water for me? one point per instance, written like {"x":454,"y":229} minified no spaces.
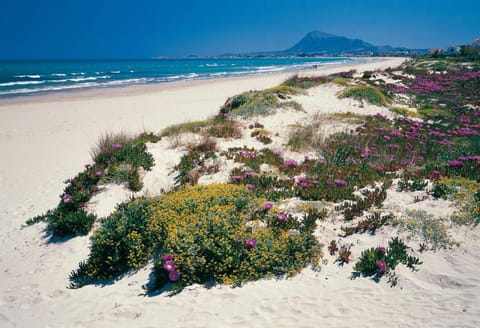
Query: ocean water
{"x":24,"y":78}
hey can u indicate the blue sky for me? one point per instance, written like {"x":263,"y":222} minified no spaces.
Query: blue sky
{"x":57,"y":29}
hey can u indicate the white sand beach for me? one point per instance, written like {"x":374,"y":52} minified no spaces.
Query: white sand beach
{"x":45,"y":140}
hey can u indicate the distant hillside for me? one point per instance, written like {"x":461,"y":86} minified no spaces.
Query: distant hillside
{"x":319,"y":43}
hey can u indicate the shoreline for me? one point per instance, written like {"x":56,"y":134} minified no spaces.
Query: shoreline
{"x":45,"y":128}
{"x":46,"y":142}
{"x":138,"y":89}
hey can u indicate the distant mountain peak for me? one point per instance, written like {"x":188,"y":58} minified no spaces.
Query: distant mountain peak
{"x":324,"y":43}
{"x":319,"y":35}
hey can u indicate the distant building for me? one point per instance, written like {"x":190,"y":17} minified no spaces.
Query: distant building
{"x":435,"y":51}
{"x":476,"y":43}
{"x":453,"y":50}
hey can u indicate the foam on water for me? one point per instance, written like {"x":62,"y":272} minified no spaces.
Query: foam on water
{"x":28,"y":78}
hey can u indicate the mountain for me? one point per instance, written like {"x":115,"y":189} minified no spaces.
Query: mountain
{"x":319,"y":43}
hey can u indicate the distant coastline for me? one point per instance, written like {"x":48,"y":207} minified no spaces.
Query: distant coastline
{"x":30,"y":78}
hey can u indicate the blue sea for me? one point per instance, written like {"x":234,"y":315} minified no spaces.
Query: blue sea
{"x":24,"y":78}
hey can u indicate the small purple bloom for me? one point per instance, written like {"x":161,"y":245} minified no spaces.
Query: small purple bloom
{"x":237,"y":177}
{"x":250,"y":174}
{"x":340,"y":182}
{"x":174,"y":275}
{"x":304,"y":185}
{"x":455,"y":163}
{"x":167,"y":257}
{"x":382,"y":249}
{"x":268,"y":205}
{"x":250,"y":186}
{"x":73,"y":180}
{"x":169,"y":265}
{"x":382,"y":267}
{"x":99,"y":173}
{"x":252,"y":243}
{"x":66,"y":198}
{"x":281,"y":217}
{"x":315,"y":182}
{"x":117,"y":146}
{"x":87,"y":166}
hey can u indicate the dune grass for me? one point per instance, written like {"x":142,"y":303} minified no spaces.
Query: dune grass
{"x":367,"y":93}
{"x":261,"y":103}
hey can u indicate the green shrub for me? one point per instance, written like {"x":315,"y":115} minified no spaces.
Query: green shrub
{"x":125,"y":241}
{"x":210,"y":233}
{"x":261,"y":103}
{"x":117,"y":159}
{"x":404,"y":112}
{"x":465,"y":194}
{"x":193,"y":127}
{"x":63,"y":224}
{"x":368,"y":93}
{"x":381,"y":260}
{"x":305,"y":137}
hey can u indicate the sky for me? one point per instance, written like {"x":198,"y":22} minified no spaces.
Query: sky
{"x":100,"y":29}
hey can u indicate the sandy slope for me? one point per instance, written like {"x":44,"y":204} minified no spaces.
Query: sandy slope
{"x":46,"y":140}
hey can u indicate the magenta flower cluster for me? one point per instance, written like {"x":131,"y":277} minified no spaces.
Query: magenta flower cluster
{"x":169,"y":265}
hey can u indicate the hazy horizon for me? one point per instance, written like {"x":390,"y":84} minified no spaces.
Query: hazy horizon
{"x":56,"y":29}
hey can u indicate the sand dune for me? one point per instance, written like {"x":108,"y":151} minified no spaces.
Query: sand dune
{"x":45,"y":140}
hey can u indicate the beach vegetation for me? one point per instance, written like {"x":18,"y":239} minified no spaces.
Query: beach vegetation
{"x":405,"y":112}
{"x":379,"y":261}
{"x":465,"y":194}
{"x":302,"y":138}
{"x":117,"y":158}
{"x":305,"y":82}
{"x":366,"y":93}
{"x":262,"y":102}
{"x":201,"y":234}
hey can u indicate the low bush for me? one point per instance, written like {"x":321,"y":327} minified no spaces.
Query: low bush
{"x":370,"y":94}
{"x":382,"y":260}
{"x":260,"y":103}
{"x":117,"y":158}
{"x":198,"y":235}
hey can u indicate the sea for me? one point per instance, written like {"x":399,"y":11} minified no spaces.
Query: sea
{"x":27,"y":78}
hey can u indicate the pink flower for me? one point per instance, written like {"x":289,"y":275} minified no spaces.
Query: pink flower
{"x":167,"y":257}
{"x":268,"y":205}
{"x":277,"y":152}
{"x":250,"y":174}
{"x":73,"y":180}
{"x":302,"y":179}
{"x":250,"y":186}
{"x":252,"y":243}
{"x":315,"y":182}
{"x":174,"y":275}
{"x":281,"y":217}
{"x":237,"y":177}
{"x":98,"y":173}
{"x":66,"y":198}
{"x":304,"y":185}
{"x":340,"y":182}
{"x":382,"y":249}
{"x":382,"y":267}
{"x":169,"y":265}
{"x":87,"y":166}
{"x":117,"y":146}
